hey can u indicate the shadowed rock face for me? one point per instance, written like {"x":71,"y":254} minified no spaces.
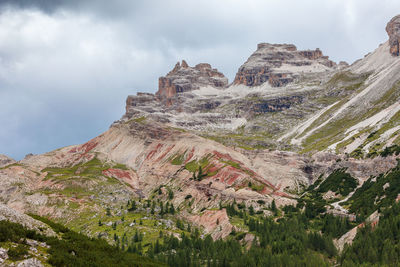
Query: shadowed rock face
{"x":393,"y":30}
{"x":280,"y":64}
{"x":184,"y":79}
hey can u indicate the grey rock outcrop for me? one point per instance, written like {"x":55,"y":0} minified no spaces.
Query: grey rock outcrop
{"x":3,"y":255}
{"x":184,"y":78}
{"x":280,"y":64}
{"x":7,"y":213}
{"x":31,"y":262}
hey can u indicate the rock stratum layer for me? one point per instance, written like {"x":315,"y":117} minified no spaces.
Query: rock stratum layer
{"x":393,"y":30}
{"x":280,"y":64}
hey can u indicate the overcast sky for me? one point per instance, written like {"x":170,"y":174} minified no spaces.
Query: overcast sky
{"x":66,"y":67}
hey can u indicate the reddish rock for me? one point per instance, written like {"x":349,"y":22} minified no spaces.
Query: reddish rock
{"x":85,"y":148}
{"x":393,"y":30}
{"x":126,"y":176}
{"x":154,"y":151}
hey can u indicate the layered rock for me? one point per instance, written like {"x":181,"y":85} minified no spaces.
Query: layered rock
{"x":280,"y":64}
{"x":393,"y":30}
{"x":184,"y":78}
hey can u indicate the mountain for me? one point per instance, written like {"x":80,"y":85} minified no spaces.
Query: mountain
{"x":296,"y":148}
{"x":292,"y":100}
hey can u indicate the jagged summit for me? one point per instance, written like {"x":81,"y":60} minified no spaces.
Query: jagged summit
{"x":280,"y":64}
{"x":184,"y":78}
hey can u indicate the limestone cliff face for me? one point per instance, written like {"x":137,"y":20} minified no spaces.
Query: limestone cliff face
{"x":184,"y":78}
{"x":280,"y":64}
{"x":393,"y":30}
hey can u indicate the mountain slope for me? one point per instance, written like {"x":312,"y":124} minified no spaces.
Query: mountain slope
{"x":367,"y":119}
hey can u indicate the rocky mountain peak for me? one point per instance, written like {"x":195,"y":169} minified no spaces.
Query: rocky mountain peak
{"x":393,"y":30}
{"x":280,"y":64}
{"x":184,"y":78}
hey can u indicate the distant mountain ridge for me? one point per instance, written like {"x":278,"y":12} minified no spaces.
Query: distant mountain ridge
{"x":283,"y":98}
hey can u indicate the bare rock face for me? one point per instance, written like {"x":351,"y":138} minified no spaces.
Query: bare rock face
{"x":280,"y":64}
{"x":184,"y":78}
{"x":215,"y":222}
{"x":393,"y":30}
{"x":4,"y":160}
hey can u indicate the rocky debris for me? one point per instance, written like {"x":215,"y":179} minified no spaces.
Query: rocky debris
{"x":280,"y":64}
{"x":31,"y":262}
{"x":184,"y":78}
{"x":5,"y":160}
{"x":3,"y":255}
{"x":361,"y":169}
{"x":7,"y":213}
{"x":35,"y":243}
{"x":393,"y":30}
